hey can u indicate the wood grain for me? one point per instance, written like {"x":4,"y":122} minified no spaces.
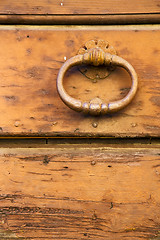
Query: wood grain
{"x":79,"y":7}
{"x":80,"y":192}
{"x":149,"y":18}
{"x":30,"y":60}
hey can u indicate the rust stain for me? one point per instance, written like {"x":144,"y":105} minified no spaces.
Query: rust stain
{"x":155,"y":100}
{"x":28,"y":51}
{"x":36,"y":72}
{"x":124,"y":51}
{"x":10,"y":98}
{"x":151,"y":72}
{"x":46,"y":160}
{"x":70,"y":43}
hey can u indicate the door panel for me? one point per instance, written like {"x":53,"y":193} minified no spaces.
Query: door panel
{"x":80,"y":192}
{"x":30,"y":61}
{"x":79,"y":7}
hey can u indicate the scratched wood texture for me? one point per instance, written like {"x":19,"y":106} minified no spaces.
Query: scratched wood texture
{"x":78,"y":7}
{"x":31,"y":58}
{"x":80,"y":192}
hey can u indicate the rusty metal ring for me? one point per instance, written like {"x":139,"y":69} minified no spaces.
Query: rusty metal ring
{"x":96,"y":57}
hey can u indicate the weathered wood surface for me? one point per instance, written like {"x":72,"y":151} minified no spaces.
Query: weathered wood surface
{"x":30,"y":60}
{"x":80,"y":192}
{"x":78,"y":6}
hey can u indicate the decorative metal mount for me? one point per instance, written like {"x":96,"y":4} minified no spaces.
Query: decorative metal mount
{"x":96,"y":56}
{"x":93,"y":72}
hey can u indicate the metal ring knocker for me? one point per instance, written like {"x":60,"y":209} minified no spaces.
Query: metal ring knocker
{"x":96,"y":57}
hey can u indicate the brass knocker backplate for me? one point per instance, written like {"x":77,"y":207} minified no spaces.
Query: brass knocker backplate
{"x":92,"y":72}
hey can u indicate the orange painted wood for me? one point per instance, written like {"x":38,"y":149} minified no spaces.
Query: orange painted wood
{"x":80,"y":192}
{"x":79,"y":7}
{"x":30,"y":60}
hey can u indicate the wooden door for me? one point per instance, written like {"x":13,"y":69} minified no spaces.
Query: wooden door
{"x":66,"y":175}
